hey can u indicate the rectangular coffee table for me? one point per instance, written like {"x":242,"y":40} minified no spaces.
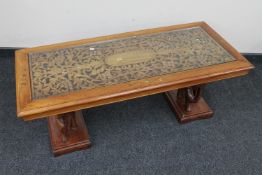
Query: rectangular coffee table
{"x":57,"y":81}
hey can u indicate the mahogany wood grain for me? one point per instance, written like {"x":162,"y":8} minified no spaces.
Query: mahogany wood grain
{"x":187,"y":111}
{"x":68,"y":133}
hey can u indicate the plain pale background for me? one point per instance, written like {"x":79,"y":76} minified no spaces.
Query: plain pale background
{"x":30,"y":23}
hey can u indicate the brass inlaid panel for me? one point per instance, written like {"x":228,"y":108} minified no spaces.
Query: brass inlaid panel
{"x":116,"y":61}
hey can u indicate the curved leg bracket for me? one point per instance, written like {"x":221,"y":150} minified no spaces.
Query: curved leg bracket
{"x":68,"y":133}
{"x":189,"y":104}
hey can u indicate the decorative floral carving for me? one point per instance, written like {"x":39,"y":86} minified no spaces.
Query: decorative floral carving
{"x":116,"y":61}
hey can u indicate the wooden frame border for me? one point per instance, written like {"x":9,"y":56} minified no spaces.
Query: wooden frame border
{"x":30,"y":109}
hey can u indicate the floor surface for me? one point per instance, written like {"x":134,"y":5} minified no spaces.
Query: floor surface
{"x":142,"y":136}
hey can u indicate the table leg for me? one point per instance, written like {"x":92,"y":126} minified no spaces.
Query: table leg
{"x":68,"y":133}
{"x":189,"y":104}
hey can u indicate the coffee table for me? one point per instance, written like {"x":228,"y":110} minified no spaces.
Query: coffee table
{"x":58,"y":81}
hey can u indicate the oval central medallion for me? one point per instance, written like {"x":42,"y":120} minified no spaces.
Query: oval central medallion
{"x":130,"y":57}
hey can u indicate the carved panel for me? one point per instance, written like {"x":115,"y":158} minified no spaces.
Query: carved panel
{"x":106,"y":63}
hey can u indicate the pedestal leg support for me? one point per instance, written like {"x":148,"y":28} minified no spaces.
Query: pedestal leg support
{"x":68,"y":133}
{"x":189,"y":104}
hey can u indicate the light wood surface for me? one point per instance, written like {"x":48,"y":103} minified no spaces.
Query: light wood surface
{"x":29,"y":109}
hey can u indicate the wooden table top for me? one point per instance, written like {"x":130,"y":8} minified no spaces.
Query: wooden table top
{"x":81,"y":74}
